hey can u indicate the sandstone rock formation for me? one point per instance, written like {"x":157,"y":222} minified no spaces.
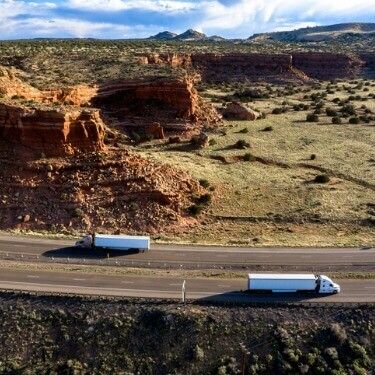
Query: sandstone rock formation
{"x":279,"y":68}
{"x":51,"y":132}
{"x":325,"y":66}
{"x":61,"y":122}
{"x":174,"y":103}
{"x":237,"y":111}
{"x":171,"y":59}
{"x":242,"y":67}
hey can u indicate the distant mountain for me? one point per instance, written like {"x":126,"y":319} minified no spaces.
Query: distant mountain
{"x":191,"y":35}
{"x":164,"y":35}
{"x":321,"y":33}
{"x":216,"y":38}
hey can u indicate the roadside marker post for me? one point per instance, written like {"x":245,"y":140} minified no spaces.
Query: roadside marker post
{"x":184,"y":292}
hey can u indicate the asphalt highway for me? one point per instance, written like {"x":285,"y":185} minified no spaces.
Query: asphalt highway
{"x":197,"y":288}
{"x":199,"y":256}
{"x":152,"y":287}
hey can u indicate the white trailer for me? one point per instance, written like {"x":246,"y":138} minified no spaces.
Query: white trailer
{"x":115,"y":242}
{"x":291,"y":283}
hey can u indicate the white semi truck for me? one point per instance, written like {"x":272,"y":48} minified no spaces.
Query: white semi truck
{"x":289,"y":283}
{"x":115,"y":242}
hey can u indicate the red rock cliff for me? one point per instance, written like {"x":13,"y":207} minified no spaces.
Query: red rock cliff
{"x":52,"y":132}
{"x":164,"y":100}
{"x":326,"y":66}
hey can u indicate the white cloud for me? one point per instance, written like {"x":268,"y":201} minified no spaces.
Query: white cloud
{"x":240,"y":18}
{"x":260,"y":15}
{"x":148,"y":5}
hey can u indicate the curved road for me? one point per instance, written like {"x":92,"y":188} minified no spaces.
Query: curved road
{"x":164,"y":287}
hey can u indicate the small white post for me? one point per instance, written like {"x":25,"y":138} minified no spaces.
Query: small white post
{"x":184,"y":292}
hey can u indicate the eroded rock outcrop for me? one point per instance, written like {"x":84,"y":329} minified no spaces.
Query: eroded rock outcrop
{"x":51,"y":132}
{"x":279,"y":68}
{"x":171,"y":59}
{"x":64,"y":121}
{"x":241,"y":67}
{"x":238,"y":111}
{"x":175,"y":103}
{"x":324,"y":66}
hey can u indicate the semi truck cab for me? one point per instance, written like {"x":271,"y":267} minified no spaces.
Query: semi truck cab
{"x":326,"y":285}
{"x":85,"y":242}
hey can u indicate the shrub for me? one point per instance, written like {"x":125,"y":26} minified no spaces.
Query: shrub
{"x":312,"y":117}
{"x":322,"y":179}
{"x":136,"y":137}
{"x":277,"y":111}
{"x":331,"y":112}
{"x":244,"y":130}
{"x":349,"y":109}
{"x":248,"y":157}
{"x":195,"y":209}
{"x":312,"y":157}
{"x":204,"y":183}
{"x":241,"y":143}
{"x":268,"y":129}
{"x":354,"y":120}
{"x":336,"y":120}
{"x":204,"y":199}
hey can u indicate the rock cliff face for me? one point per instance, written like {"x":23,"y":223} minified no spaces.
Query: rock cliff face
{"x":324,"y":66}
{"x":173,"y":103}
{"x":369,"y":64}
{"x":242,"y":67}
{"x":51,"y":132}
{"x":172,"y":59}
{"x":295,"y":67}
{"x":54,"y":122}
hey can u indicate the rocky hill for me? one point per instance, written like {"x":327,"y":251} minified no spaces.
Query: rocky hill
{"x":61,"y":166}
{"x":188,"y":36}
{"x":164,"y":35}
{"x":321,"y":33}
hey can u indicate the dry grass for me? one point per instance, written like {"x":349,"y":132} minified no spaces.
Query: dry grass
{"x":279,"y":191}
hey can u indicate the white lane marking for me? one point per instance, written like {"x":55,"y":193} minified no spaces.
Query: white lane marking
{"x":79,"y":279}
{"x":180,"y":284}
{"x":369,"y":287}
{"x":127,"y":282}
{"x":224,"y":286}
{"x":348,"y":256}
{"x":222,"y":256}
{"x":20,"y":246}
{"x":306,"y":256}
{"x":33,"y":276}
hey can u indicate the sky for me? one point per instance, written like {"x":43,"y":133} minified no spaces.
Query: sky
{"x":118,"y":19}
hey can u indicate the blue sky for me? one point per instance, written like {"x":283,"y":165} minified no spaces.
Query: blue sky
{"x":142,"y":18}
